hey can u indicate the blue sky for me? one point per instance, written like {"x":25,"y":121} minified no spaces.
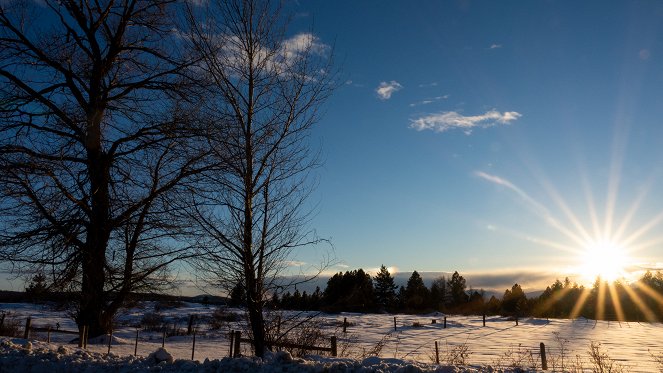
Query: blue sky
{"x":485,"y":136}
{"x":489,"y":137}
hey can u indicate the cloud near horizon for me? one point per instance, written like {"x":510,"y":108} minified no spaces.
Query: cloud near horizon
{"x":386,"y":89}
{"x":449,"y":120}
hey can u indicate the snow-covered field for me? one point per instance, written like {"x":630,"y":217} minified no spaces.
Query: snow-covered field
{"x":464,"y":345}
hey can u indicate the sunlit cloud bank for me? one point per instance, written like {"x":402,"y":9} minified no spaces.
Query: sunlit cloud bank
{"x":386,"y":89}
{"x":450,"y":120}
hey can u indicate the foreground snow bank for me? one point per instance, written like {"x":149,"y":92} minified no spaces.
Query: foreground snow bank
{"x":19,"y":355}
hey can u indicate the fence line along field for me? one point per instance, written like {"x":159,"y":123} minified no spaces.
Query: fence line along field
{"x":203,"y":332}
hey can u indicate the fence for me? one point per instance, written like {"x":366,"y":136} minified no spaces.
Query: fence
{"x":236,"y":341}
{"x":429,"y":339}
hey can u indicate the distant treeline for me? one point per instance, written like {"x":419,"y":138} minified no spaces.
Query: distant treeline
{"x":357,"y":291}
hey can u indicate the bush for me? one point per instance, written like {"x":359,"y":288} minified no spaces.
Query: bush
{"x":11,"y":325}
{"x":309,"y":334}
{"x":221,"y":317}
{"x":153,"y":322}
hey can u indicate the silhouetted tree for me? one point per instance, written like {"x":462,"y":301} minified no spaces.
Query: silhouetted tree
{"x":456,"y":285}
{"x":263,"y":97}
{"x":37,"y":288}
{"x":493,"y":306}
{"x":351,"y":291}
{"x":385,"y":289}
{"x":438,"y":293}
{"x":95,"y":146}
{"x":238,"y":295}
{"x":416,"y":293}
{"x":514,"y":301}
{"x":401,"y":298}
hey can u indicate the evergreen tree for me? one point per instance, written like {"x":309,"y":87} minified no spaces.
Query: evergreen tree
{"x":352,"y":291}
{"x":400,"y":298}
{"x":416,"y":293}
{"x":493,"y":306}
{"x":438,"y":293}
{"x":514,"y":301}
{"x":385,"y":289}
{"x":37,"y":288}
{"x":457,"y":285}
{"x":238,"y":295}
{"x":296,"y":300}
{"x":316,"y":299}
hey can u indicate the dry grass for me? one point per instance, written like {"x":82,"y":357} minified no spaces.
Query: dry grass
{"x":601,"y":362}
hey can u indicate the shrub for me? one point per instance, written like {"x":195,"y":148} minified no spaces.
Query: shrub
{"x":11,"y":325}
{"x":221,"y":317}
{"x":153,"y":322}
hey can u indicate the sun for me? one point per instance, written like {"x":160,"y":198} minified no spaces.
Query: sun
{"x":604,"y":259}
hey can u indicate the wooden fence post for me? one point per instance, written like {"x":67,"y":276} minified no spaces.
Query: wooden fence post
{"x":136,"y":344}
{"x":190,"y":325}
{"x":2,"y":321}
{"x":232,"y":338}
{"x":81,"y":337}
{"x":544,"y":361}
{"x":193,"y":348}
{"x":86,"y":335}
{"x":345,"y":324}
{"x":278,"y":326}
{"x":238,"y":346}
{"x":163,"y":340}
{"x":437,"y":354}
{"x":48,"y":335}
{"x":28,"y":324}
{"x":484,"y":319}
{"x":516,"y":320}
{"x":395,"y":323}
{"x":110,"y":340}
{"x":333,"y":346}
{"x":445,"y":322}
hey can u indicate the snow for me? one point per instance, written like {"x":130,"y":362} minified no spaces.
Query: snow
{"x":370,"y":345}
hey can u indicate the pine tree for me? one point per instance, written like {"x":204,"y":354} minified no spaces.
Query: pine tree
{"x":416,"y":293}
{"x":457,"y":285}
{"x":514,"y":301}
{"x":385,"y":289}
{"x":238,"y":295}
{"x":438,"y":293}
{"x":37,"y":288}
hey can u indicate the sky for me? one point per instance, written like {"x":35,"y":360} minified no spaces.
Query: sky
{"x":495,"y":138}
{"x":490,"y":137}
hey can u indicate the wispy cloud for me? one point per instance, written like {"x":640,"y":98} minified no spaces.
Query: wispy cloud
{"x":294,"y":263}
{"x":386,"y":89}
{"x":449,"y":120}
{"x":429,"y":100}
{"x":495,"y":46}
{"x":424,"y":85}
{"x":301,"y":43}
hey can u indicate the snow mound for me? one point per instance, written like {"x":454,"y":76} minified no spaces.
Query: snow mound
{"x":160,"y":355}
{"x":47,"y":358}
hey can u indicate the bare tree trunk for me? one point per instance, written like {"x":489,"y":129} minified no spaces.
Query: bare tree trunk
{"x":263,"y":92}
{"x":96,"y":147}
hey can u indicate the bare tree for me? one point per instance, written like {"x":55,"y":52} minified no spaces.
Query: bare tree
{"x":93,"y":147}
{"x":264,"y":95}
